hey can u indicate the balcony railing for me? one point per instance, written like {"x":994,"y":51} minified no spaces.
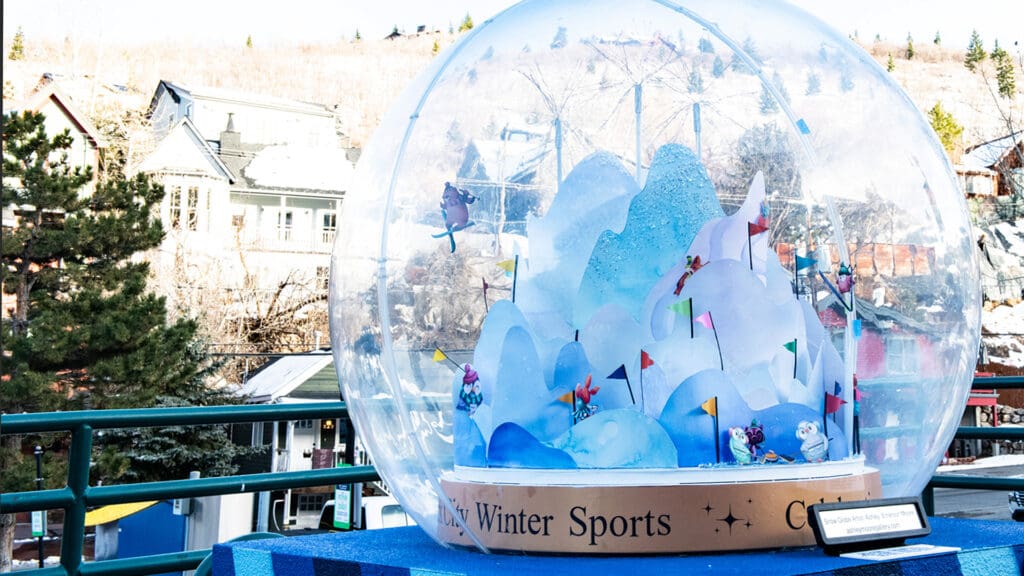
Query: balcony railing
{"x":78,"y":495}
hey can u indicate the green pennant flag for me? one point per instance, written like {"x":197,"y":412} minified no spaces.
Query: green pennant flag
{"x":683,"y":307}
{"x":791,"y":346}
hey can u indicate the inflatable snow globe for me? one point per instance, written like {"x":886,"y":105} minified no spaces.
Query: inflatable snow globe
{"x":652,"y":276}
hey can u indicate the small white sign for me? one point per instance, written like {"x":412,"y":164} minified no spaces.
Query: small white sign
{"x":898,"y":552}
{"x":38,"y":523}
{"x":852,"y":522}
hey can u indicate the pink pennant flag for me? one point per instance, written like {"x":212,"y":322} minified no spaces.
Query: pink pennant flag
{"x":705,"y":320}
{"x":833,"y":403}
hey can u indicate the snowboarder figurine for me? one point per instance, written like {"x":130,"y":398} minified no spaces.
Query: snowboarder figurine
{"x":455,"y":211}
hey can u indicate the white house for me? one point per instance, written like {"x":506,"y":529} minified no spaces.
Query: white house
{"x":254,"y":185}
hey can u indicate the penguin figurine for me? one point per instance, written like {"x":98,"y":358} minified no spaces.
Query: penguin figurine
{"x":815,"y":444}
{"x":738,"y":445}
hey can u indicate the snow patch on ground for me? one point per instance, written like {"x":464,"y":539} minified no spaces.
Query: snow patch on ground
{"x":1006,"y":323}
{"x":991,"y":462}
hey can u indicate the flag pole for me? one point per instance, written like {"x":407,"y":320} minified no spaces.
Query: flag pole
{"x":691,"y":317}
{"x":641,"y":380}
{"x":714,"y":329}
{"x":794,"y":357}
{"x":825,"y":419}
{"x":750,"y":250}
{"x":438,"y":348}
{"x":630,"y":387}
{"x":718,"y":457}
{"x":515,"y":276}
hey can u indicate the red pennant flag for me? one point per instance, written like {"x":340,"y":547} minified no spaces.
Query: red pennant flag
{"x":755,"y":229}
{"x":645,"y":360}
{"x":833,"y":403}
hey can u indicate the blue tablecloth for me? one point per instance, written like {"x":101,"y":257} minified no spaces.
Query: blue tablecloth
{"x":988,"y":548}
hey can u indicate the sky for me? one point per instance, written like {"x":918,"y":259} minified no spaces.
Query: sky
{"x":230,"y":22}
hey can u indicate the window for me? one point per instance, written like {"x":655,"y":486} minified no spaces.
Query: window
{"x":175,"y":207}
{"x":192,"y":209}
{"x":311,"y":502}
{"x":323,"y":277}
{"x":328,"y":227}
{"x":303,"y":424}
{"x":285,"y":218}
{"x":901,"y":355}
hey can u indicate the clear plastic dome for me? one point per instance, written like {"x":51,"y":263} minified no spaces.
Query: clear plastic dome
{"x":587,"y":220}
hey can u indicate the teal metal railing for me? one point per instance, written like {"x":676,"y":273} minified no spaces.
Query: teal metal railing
{"x":980,"y":433}
{"x":77,"y":495}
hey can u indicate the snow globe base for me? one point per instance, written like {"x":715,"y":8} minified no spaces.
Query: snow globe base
{"x":712,"y":511}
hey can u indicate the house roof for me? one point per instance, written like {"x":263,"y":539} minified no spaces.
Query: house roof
{"x":309,"y":376}
{"x":299,"y":167}
{"x":51,"y":93}
{"x":170,"y":156}
{"x":179,"y":91}
{"x":987,"y":154}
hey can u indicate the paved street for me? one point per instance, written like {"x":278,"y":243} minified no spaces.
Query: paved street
{"x":979,"y":504}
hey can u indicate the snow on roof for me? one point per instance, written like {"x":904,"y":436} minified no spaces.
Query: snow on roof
{"x":510,"y":159}
{"x":212,"y":93}
{"x":279,"y":377}
{"x":988,"y":154}
{"x":301,"y":167}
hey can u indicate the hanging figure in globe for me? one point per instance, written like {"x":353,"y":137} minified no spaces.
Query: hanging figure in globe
{"x":455,"y":211}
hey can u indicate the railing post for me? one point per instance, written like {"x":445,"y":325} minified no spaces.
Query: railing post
{"x":73,"y":538}
{"x":928,"y":499}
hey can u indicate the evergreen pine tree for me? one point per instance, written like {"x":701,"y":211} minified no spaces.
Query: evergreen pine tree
{"x":84,"y":332}
{"x":436,"y":47}
{"x":1005,"y":74}
{"x":813,"y":84}
{"x":975,"y":51}
{"x":938,"y":39}
{"x":467,"y":23}
{"x":947,"y":128}
{"x":17,"y":46}
{"x":845,"y":80}
{"x":705,"y":46}
{"x":768,"y":103}
{"x":890,"y":65}
{"x":910,"y":47}
{"x":358,"y":35}
{"x":248,"y":41}
{"x":695,"y":82}
{"x":718,"y":67}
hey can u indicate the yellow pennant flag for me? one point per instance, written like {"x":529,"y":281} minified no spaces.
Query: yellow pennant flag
{"x":567,"y":397}
{"x":711,"y":406}
{"x":439,"y":356}
{"x":507,"y":265}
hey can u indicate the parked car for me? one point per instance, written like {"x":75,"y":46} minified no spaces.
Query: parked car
{"x":377,"y":512}
{"x":1017,"y":505}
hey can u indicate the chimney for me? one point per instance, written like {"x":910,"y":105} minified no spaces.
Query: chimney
{"x":230,"y":140}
